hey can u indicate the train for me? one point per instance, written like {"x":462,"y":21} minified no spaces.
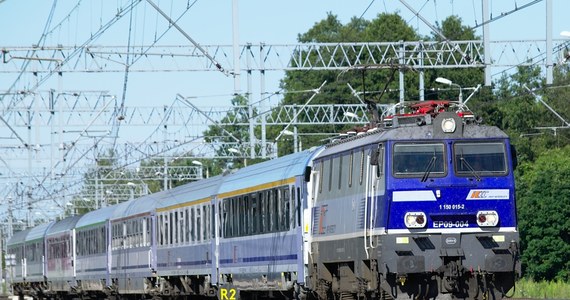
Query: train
{"x":420,"y":205}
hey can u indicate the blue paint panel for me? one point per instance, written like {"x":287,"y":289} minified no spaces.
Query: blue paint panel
{"x":259,"y":259}
{"x":130,"y":267}
{"x":185,"y":263}
{"x":270,"y":258}
{"x":93,"y":270}
{"x":452,"y":207}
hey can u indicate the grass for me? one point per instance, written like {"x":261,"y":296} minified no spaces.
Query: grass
{"x":527,"y":288}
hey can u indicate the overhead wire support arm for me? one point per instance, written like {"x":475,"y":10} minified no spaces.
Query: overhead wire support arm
{"x":438,"y":32}
{"x":213,"y":60}
{"x":538,"y":98}
{"x":315,"y":92}
{"x":473,"y":93}
{"x":186,"y":101}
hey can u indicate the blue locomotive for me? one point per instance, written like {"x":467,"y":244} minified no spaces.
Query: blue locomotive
{"x":420,"y":207}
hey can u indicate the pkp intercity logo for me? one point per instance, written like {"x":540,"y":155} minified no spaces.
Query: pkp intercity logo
{"x":488,"y":195}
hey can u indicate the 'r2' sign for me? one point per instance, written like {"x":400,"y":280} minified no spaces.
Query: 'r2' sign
{"x":228,"y":294}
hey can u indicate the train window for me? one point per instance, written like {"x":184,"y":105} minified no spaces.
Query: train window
{"x":240,"y":209}
{"x":417,"y":160}
{"x":255,"y":213}
{"x":295,"y":208}
{"x":263,"y":212}
{"x":321,"y":165}
{"x":287,"y":209}
{"x":171,"y":228}
{"x":165,"y":229}
{"x":204,"y":217}
{"x":480,"y":158}
{"x":95,"y":236}
{"x":247,"y":215}
{"x":129,"y":234}
{"x":174,"y":226}
{"x":193,"y":224}
{"x":340,"y":172}
{"x":220,"y":220}
{"x":161,"y":229}
{"x":350,"y":167}
{"x":361,"y":166}
{"x":186,"y":226}
{"x":274,"y":210}
{"x":212,"y":218}
{"x":331,"y":165}
{"x":198,"y":224}
{"x":299,"y":207}
{"x":181,"y":227}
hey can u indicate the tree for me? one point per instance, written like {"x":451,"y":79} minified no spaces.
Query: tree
{"x":454,"y":30}
{"x":543,"y":198}
{"x":234,"y":133}
{"x":386,"y":27}
{"x":519,"y":113}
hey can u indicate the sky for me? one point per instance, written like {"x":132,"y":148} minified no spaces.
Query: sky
{"x":209,"y":22}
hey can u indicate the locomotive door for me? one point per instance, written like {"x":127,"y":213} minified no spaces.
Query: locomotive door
{"x":374,"y":190}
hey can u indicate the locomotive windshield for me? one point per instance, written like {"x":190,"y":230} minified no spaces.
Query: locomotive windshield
{"x":415,"y":160}
{"x":483,"y":158}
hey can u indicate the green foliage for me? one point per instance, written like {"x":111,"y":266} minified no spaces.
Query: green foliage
{"x":530,"y":289}
{"x":237,"y":133}
{"x":543,"y":195}
{"x":389,"y":28}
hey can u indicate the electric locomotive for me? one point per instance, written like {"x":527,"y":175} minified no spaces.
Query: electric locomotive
{"x":421,"y":208}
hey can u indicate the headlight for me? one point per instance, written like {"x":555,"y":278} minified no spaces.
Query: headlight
{"x":448,"y":125}
{"x":415,"y":220}
{"x":487,"y":218}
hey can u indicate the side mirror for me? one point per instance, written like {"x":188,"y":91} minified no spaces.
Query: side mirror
{"x":376,"y":159}
{"x":307,"y":174}
{"x":514,"y":157}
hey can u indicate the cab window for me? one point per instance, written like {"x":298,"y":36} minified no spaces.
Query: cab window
{"x":415,"y":160}
{"x":481,"y":158}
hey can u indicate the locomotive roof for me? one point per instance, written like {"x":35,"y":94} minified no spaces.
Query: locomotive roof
{"x":96,"y":216}
{"x":197,"y":190}
{"x":39,"y":231}
{"x":63,"y":225}
{"x":416,"y":133}
{"x":18,"y":237}
{"x":269,"y":171}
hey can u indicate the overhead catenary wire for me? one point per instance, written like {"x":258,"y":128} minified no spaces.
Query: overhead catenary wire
{"x":175,"y":25}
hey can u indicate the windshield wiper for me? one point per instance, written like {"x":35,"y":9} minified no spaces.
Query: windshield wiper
{"x":470,"y":169}
{"x":428,"y":169}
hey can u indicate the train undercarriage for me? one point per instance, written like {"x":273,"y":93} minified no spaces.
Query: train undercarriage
{"x":338,"y":270}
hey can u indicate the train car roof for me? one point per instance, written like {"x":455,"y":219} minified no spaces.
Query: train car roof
{"x":39,"y":231}
{"x":270,"y":171}
{"x":193,"y":191}
{"x":63,"y":225}
{"x":426,"y":132}
{"x":18,"y":237}
{"x":95,"y":217}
